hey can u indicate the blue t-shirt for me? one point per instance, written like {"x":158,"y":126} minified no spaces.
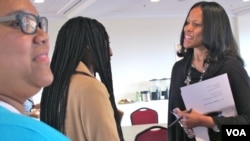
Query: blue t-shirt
{"x":17,"y":127}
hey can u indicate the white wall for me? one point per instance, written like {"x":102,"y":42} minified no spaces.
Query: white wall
{"x":244,"y":39}
{"x":144,"y":49}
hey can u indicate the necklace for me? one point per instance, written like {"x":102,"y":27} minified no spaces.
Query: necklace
{"x":188,"y":77}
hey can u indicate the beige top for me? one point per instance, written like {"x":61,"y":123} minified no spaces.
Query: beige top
{"x":89,"y":116}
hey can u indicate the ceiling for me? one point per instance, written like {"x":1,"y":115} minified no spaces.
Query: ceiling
{"x":103,"y":9}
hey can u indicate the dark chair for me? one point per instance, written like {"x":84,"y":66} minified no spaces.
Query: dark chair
{"x":144,"y":116}
{"x":153,"y":133}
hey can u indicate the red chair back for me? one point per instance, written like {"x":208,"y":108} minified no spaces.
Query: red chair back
{"x":154,"y":133}
{"x":144,"y":116}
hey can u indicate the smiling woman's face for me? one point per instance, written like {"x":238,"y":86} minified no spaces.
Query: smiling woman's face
{"x":193,"y":29}
{"x":24,"y":61}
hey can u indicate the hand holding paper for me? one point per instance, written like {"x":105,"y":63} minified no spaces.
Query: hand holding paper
{"x":209,"y":96}
{"x":177,"y":117}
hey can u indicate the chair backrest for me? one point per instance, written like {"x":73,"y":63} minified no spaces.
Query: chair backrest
{"x":144,"y":115}
{"x":153,"y":133}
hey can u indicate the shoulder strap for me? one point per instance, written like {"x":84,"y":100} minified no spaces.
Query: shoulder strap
{"x":84,"y":73}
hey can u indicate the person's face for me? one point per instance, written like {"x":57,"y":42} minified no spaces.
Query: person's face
{"x":24,"y":61}
{"x":193,"y":29}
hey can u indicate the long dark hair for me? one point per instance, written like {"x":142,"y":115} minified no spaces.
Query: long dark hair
{"x":73,"y":39}
{"x":217,"y":33}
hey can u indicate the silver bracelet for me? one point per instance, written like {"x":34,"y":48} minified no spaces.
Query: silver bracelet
{"x":216,"y":129}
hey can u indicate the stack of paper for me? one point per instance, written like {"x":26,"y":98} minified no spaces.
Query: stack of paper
{"x":207,"y":96}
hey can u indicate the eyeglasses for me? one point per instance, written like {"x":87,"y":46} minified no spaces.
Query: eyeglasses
{"x":27,"y":22}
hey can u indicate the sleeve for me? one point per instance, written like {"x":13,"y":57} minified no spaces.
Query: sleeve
{"x":176,"y":132}
{"x":240,"y":86}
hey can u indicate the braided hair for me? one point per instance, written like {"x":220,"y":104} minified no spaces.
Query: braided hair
{"x":76,"y":36}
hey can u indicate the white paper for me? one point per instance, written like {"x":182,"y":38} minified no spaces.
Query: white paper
{"x":207,"y":96}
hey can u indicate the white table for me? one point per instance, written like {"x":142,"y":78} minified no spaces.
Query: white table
{"x":129,"y":132}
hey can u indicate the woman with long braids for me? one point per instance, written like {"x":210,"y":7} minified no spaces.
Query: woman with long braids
{"x":76,"y":103}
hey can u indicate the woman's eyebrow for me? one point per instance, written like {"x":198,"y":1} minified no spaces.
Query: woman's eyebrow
{"x":16,"y":12}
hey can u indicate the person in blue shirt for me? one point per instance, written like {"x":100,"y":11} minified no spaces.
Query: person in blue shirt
{"x":25,"y":70}
{"x":16,"y":127}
